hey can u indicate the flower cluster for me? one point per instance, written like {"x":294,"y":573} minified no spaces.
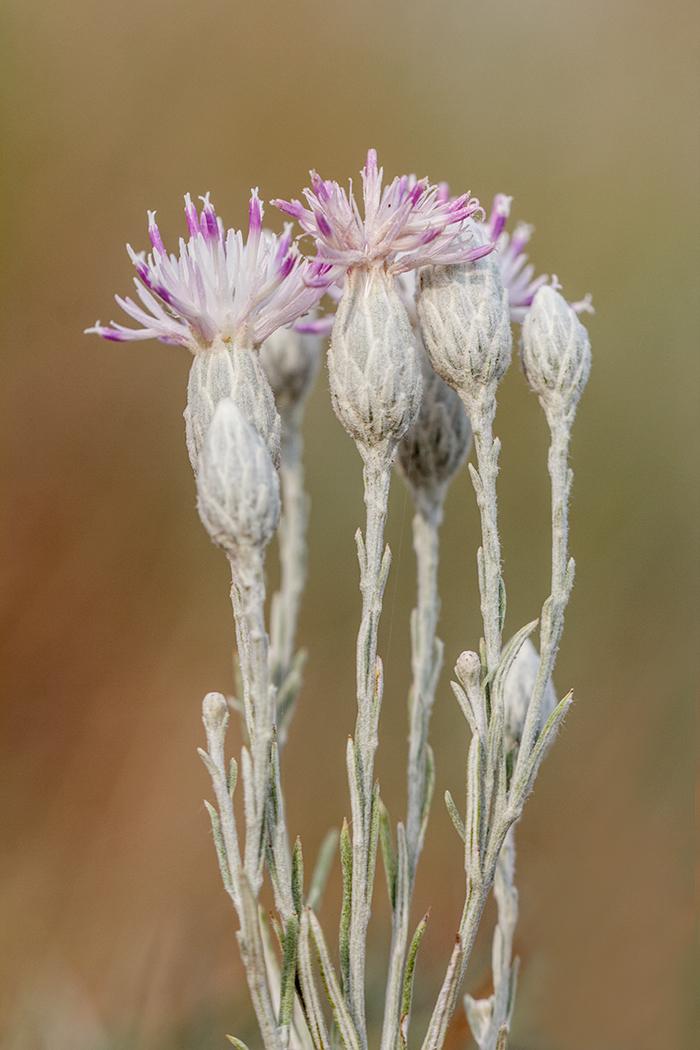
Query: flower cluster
{"x":408,"y":224}
{"x":219,"y":286}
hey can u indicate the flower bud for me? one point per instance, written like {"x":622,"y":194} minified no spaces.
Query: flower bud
{"x":465,"y":322}
{"x":237,"y":486}
{"x":291,"y":361}
{"x":468,"y":670}
{"x":230,"y":370}
{"x":436,"y":446}
{"x":214,"y":712}
{"x":518,"y":689}
{"x":555,"y":351}
{"x":373,"y":363}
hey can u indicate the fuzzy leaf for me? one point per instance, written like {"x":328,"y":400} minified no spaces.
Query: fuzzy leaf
{"x":346,"y":1028}
{"x":307,"y":980}
{"x":407,"y":994}
{"x":388,"y":852}
{"x":238,"y":1043}
{"x":221,"y":850}
{"x":346,"y":864}
{"x":297,"y":877}
{"x":455,"y":817}
{"x":373,"y":840}
{"x":232,"y":777}
{"x":289,"y":969}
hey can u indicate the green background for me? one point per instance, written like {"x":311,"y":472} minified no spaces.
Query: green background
{"x":113,"y":922}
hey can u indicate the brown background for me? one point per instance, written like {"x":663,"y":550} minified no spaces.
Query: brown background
{"x":114,"y":928}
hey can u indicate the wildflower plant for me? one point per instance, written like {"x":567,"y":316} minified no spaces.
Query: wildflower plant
{"x":426,"y":290}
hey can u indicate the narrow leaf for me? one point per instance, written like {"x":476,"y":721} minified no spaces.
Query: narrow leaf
{"x":307,"y":980}
{"x":455,"y":817}
{"x":297,"y":877}
{"x":289,"y":969}
{"x":437,"y":1029}
{"x":346,"y":864}
{"x":388,"y":852}
{"x":238,"y":1043}
{"x":502,"y":1041}
{"x":209,"y":763}
{"x":373,"y":840}
{"x":221,"y":851}
{"x":407,"y":994}
{"x":429,"y":789}
{"x":464,"y":703}
{"x":346,"y":1028}
{"x":232,"y":776}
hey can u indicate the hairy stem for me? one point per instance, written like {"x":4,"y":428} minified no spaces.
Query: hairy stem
{"x":481,"y":409}
{"x":291,"y":537}
{"x":426,"y":661}
{"x":374,"y":566}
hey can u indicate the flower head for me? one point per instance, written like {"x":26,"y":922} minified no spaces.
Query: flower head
{"x":407,"y":224}
{"x":219,"y":286}
{"x":517,"y":274}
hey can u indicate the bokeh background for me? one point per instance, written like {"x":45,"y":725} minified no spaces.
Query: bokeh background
{"x":114,"y":928}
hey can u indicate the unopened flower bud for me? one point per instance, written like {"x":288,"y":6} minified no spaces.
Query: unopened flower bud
{"x":237,"y":486}
{"x":214,"y":712}
{"x":436,"y":446}
{"x":555,"y":351}
{"x":465,"y":322}
{"x":291,"y":361}
{"x":468,"y":670}
{"x":373,"y":363}
{"x":230,"y":370}
{"x":518,"y":689}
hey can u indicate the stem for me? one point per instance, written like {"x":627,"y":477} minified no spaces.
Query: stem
{"x":487,"y":818}
{"x":503,"y":973}
{"x":486,"y":1030}
{"x":552,"y":619}
{"x":248,"y":599}
{"x":479,"y":882}
{"x":291,"y":536}
{"x":481,"y":409}
{"x":426,"y":662}
{"x":374,"y":566}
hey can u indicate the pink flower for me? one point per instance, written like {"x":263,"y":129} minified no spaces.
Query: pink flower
{"x":516,"y":273}
{"x":408,"y":224}
{"x":219,"y":287}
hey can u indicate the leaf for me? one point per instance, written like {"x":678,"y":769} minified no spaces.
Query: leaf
{"x":346,"y":910}
{"x":429,"y":789}
{"x":502,"y":1041}
{"x":388,"y":852}
{"x":373,"y":839}
{"x":407,"y":994}
{"x":232,"y":777}
{"x":307,"y":980}
{"x":209,"y":763}
{"x":501,"y":602}
{"x":238,"y":1043}
{"x":289,"y":970}
{"x":346,"y":1028}
{"x":464,"y":703}
{"x":221,"y":851}
{"x":437,"y":1029}
{"x":455,"y":817}
{"x":297,"y":877}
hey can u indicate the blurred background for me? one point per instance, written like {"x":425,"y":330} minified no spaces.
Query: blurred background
{"x":114,"y":927}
